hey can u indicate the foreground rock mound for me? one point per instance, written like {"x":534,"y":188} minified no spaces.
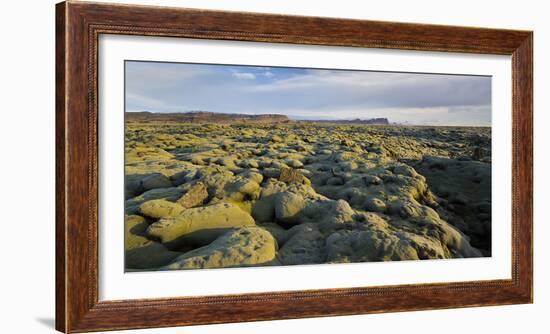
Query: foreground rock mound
{"x":199,"y":226}
{"x":464,"y":188}
{"x":236,"y":248}
{"x":142,"y":253}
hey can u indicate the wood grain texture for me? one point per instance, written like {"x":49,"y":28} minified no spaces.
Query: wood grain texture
{"x":78,"y":27}
{"x":60,"y":180}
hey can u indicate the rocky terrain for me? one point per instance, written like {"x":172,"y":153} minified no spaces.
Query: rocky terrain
{"x":211,"y":195}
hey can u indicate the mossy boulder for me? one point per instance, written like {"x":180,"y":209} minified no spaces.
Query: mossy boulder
{"x":279,"y":233}
{"x":249,"y":246}
{"x":155,"y":180}
{"x":132,"y":205}
{"x":140,"y":252}
{"x":243,"y":189}
{"x":151,"y":255}
{"x":294,"y":163}
{"x":375,"y":204}
{"x":367,"y":246}
{"x":199,"y":226}
{"x":263,"y":209}
{"x":466,"y":186}
{"x":145,"y":153}
{"x":288,"y":207}
{"x":160,"y":208}
{"x":305,"y":245}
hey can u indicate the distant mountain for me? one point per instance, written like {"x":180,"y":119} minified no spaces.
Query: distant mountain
{"x":205,"y":117}
{"x":374,"y":121}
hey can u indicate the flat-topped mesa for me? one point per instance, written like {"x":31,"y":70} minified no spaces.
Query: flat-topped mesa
{"x":381,"y":120}
{"x":205,"y":117}
{"x":369,"y":121}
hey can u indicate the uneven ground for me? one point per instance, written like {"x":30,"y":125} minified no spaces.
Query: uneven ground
{"x":233,"y":195}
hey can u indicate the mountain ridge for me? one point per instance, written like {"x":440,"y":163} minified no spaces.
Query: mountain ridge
{"x":215,"y":117}
{"x":205,"y":116}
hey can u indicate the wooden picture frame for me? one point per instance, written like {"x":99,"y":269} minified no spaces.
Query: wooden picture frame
{"x":78,"y":27}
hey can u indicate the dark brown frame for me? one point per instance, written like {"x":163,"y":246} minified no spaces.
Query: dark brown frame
{"x":78,"y":25}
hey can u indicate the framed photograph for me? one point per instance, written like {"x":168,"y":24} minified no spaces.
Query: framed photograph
{"x":224,"y":166}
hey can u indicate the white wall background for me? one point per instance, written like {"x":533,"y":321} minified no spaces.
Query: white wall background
{"x":27,"y":71}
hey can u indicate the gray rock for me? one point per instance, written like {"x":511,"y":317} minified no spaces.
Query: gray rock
{"x":366,"y":246}
{"x":335,"y":181}
{"x":280,"y":234}
{"x":484,"y":207}
{"x":263,"y":209}
{"x":305,"y":246}
{"x":375,"y":205}
{"x":294,"y":163}
{"x":338,"y":212}
{"x":155,"y":180}
{"x":271,"y":172}
{"x":288,"y":207}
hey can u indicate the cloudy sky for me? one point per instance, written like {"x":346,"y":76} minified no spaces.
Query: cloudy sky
{"x":411,"y":98}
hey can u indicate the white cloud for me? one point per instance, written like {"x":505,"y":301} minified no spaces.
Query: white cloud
{"x":380,"y":89}
{"x":244,"y":75}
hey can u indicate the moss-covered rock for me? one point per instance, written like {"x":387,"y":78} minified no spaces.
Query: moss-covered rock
{"x":132,"y":205}
{"x":288,"y":207}
{"x":160,"y":208}
{"x":306,"y":245}
{"x":140,"y":252}
{"x":465,"y":186}
{"x":199,"y":226}
{"x":249,"y":246}
{"x":367,"y":246}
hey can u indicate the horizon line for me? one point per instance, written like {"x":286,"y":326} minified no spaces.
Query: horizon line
{"x":304,"y":118}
